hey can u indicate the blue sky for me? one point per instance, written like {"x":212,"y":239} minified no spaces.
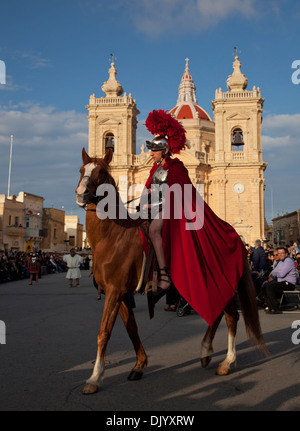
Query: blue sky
{"x":57,"y":52}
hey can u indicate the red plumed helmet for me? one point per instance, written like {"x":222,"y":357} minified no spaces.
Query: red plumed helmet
{"x":162,"y":123}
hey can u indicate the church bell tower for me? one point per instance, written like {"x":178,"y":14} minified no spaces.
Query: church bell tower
{"x":238,"y":168}
{"x":113,"y":122}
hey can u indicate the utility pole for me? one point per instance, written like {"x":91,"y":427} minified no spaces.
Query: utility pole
{"x":10,"y":158}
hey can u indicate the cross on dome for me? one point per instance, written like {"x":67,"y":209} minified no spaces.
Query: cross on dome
{"x":187,"y":105}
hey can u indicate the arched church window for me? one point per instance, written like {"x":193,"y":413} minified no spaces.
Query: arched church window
{"x":109,"y":142}
{"x":237,"y":143}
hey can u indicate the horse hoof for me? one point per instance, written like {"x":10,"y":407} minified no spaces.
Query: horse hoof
{"x":90,"y":389}
{"x":223,"y":370}
{"x":205,"y":361}
{"x":134,"y":375}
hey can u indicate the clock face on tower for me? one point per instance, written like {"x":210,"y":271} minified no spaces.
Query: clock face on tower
{"x":239,"y":188}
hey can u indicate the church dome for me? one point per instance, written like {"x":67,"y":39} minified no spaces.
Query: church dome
{"x":189,"y":111}
{"x":187,"y":106}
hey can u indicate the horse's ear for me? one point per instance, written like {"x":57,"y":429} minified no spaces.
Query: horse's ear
{"x":108,"y":156}
{"x":85,"y":157}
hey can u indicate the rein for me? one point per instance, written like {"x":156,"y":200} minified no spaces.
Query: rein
{"x":98,"y":198}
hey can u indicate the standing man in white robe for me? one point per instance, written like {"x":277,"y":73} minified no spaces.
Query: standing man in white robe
{"x":73,"y":262}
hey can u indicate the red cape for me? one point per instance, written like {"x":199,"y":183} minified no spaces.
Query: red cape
{"x":205,"y":264}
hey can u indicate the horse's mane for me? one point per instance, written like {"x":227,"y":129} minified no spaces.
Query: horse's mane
{"x":107,"y":168}
{"x":128,"y":222}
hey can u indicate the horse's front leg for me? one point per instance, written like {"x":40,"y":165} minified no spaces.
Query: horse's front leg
{"x":129,"y":321}
{"x":206,"y":344}
{"x":232,"y":317}
{"x":110,"y":312}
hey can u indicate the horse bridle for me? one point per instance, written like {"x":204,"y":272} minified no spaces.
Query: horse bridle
{"x":89,"y":195}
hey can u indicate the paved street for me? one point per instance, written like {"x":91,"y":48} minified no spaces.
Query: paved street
{"x":51,"y":335}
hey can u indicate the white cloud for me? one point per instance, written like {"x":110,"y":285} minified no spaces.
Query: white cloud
{"x":11,"y":86}
{"x":281,"y":139}
{"x":46,"y":151}
{"x":281,"y":124}
{"x":156,"y":17}
{"x":35,"y":60}
{"x":281,"y":150}
{"x":270,"y":143}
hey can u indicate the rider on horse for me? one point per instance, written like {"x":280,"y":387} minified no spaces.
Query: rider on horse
{"x":204,"y":262}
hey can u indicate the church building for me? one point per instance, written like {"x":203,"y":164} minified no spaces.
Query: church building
{"x":223,"y":153}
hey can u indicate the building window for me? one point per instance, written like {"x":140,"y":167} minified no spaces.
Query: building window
{"x":72,"y":241}
{"x":237,"y":142}
{"x":109,"y":142}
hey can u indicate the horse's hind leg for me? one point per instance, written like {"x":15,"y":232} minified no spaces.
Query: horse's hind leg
{"x":206,"y":344}
{"x":110,"y":312}
{"x":232,"y":317}
{"x":129,"y":321}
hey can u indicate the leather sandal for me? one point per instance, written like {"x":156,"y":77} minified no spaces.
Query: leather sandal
{"x":168,"y":279}
{"x":153,"y":298}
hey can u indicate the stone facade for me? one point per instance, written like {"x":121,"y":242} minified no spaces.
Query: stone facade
{"x":53,"y":230}
{"x":286,"y":229}
{"x":73,"y":232}
{"x":33,"y":213}
{"x":223,"y":154}
{"x":12,"y":231}
{"x":25,"y":225}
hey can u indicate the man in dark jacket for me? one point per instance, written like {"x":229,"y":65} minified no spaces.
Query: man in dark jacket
{"x":259,"y":258}
{"x":260,"y":265}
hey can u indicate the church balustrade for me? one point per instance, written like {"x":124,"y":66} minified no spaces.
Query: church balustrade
{"x":113,"y":100}
{"x":210,"y":157}
{"x":238,"y":94}
{"x":238,"y":155}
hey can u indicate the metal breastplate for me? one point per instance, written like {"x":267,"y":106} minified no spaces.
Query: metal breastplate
{"x":160,"y":176}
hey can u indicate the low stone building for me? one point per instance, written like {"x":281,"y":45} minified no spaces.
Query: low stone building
{"x":12,"y":230}
{"x":286,"y":228}
{"x":53,"y":230}
{"x":73,"y":232}
{"x":32,"y":216}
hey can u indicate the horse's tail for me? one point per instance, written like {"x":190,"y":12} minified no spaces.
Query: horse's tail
{"x":248,"y":304}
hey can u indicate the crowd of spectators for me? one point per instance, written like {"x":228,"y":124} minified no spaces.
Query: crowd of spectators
{"x":270,"y":282}
{"x":263,"y":261}
{"x":14,"y":265}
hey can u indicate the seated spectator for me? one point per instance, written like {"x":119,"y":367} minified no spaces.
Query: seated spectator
{"x":282,"y":278}
{"x":298,"y":268}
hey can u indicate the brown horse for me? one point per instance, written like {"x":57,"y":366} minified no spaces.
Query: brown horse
{"x":117,"y":268}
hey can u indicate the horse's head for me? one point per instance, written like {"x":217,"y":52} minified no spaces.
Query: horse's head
{"x":94,"y":172}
